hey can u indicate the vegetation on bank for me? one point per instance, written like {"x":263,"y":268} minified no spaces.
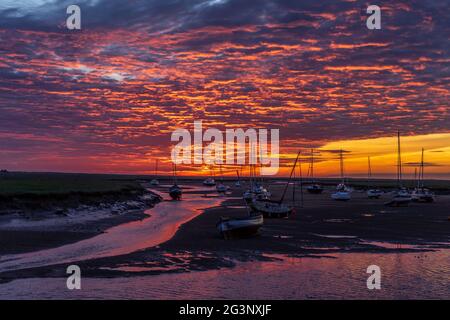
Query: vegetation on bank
{"x":15,"y":183}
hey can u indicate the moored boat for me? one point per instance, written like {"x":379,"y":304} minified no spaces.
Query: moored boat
{"x":175,"y":192}
{"x":420,"y":193}
{"x":271,"y":209}
{"x":343,"y":193}
{"x":240,"y":227}
{"x":314,"y":188}
{"x":401,"y":197}
{"x":209,"y":182}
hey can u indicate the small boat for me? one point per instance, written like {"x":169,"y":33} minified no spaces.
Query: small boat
{"x":155,"y":181}
{"x":248,"y":195}
{"x":342,"y":192}
{"x":372,"y":193}
{"x":420,"y":193}
{"x":175,"y":191}
{"x":221,"y":188}
{"x":237,"y":184}
{"x":210,"y":182}
{"x":271,"y":209}
{"x":240,"y":227}
{"x":401,"y":197}
{"x":315,"y":188}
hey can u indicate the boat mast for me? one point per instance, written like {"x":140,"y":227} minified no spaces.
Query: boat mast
{"x":312,"y":165}
{"x":399,"y":162}
{"x":341,"y":158}
{"x":290,"y":177}
{"x":421,"y":173}
{"x":369,"y":173}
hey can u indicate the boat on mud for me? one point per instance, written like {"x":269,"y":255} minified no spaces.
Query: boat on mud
{"x":244,"y":227}
{"x":372,"y":193}
{"x":210,"y":182}
{"x":401,"y":197}
{"x":314,"y":188}
{"x":274,"y":209}
{"x":175,"y":191}
{"x":343,"y":193}
{"x":421,"y":193}
{"x":155,"y":181}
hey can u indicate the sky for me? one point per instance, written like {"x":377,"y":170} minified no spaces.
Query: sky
{"x":106,"y":98}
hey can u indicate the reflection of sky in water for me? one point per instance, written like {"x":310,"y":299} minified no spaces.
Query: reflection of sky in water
{"x":404,"y":276}
{"x":165,"y":219}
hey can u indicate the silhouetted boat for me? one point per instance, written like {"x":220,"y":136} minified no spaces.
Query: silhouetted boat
{"x":274,"y":209}
{"x":155,"y":181}
{"x":401,"y":197}
{"x":420,"y":193}
{"x":240,"y":227}
{"x":210,"y":182}
{"x":372,"y":193}
{"x":175,"y":191}
{"x":314,"y":188}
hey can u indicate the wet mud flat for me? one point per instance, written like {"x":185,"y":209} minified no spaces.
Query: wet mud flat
{"x":319,"y":229}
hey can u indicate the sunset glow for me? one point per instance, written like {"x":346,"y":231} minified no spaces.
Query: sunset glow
{"x":106,"y":98}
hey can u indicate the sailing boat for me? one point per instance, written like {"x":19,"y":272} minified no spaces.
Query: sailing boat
{"x":155,"y":181}
{"x":275,"y":209}
{"x":210,"y":182}
{"x":371,"y":192}
{"x":238,"y":182}
{"x":401,"y":196}
{"x":175,"y":191}
{"x":221,"y":188}
{"x":342,"y":192}
{"x":314,"y":188}
{"x":420,"y":193}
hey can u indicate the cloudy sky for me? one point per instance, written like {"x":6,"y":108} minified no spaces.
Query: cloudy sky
{"x":106,"y":98}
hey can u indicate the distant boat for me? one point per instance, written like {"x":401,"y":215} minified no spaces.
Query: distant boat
{"x":237,"y":184}
{"x":275,"y":209}
{"x":420,"y":193}
{"x":342,"y":192}
{"x":401,"y":197}
{"x":372,"y":193}
{"x":314,"y":188}
{"x":240,"y":227}
{"x":155,"y":181}
{"x":175,"y":191}
{"x":221,"y":188}
{"x":210,"y":182}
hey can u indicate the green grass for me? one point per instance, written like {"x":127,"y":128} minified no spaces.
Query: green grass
{"x":60,"y":183}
